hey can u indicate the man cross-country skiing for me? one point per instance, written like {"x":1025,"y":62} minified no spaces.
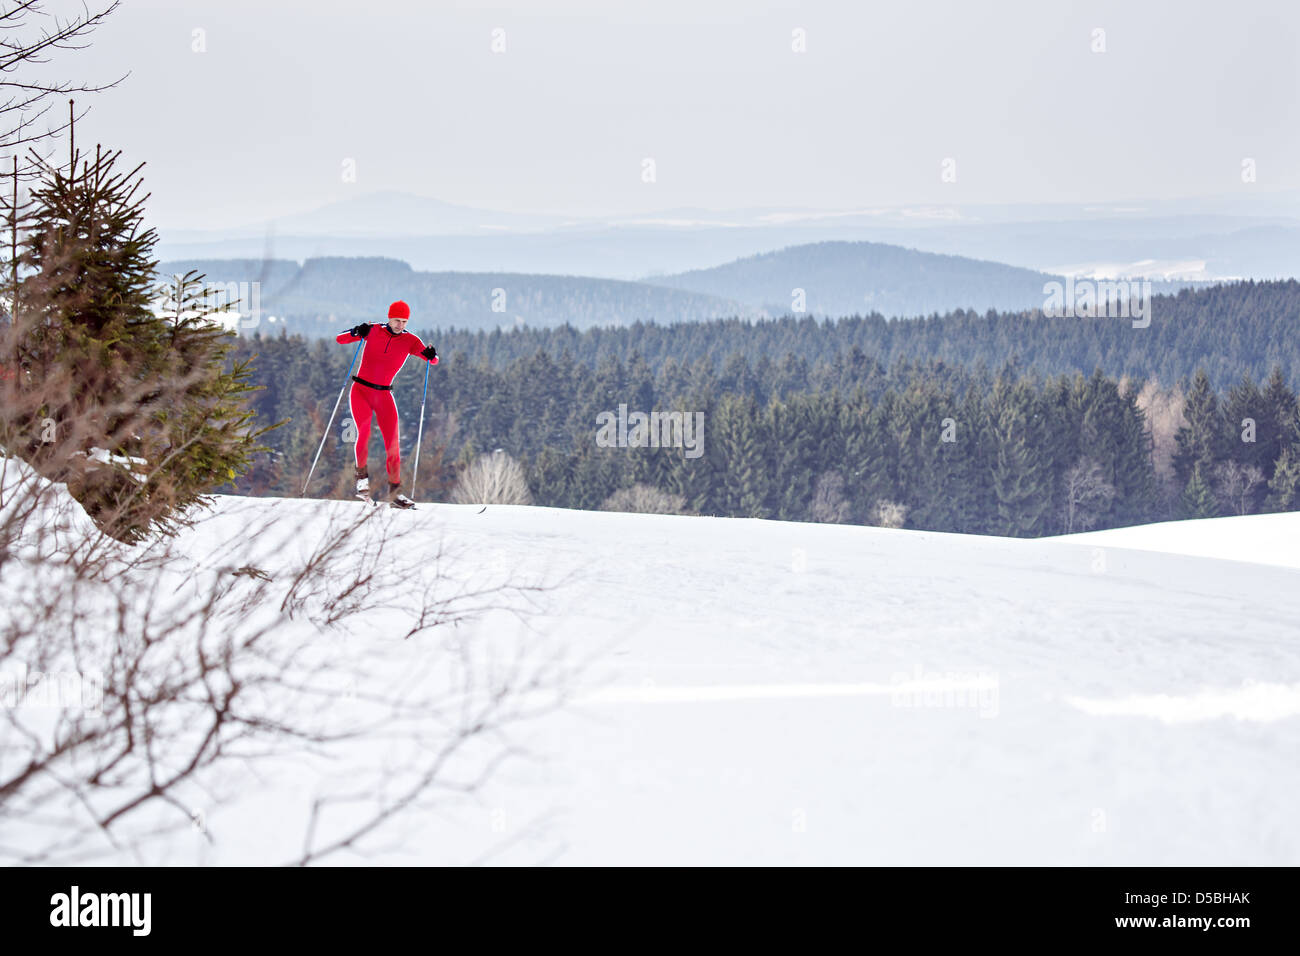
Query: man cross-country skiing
{"x":386,"y":350}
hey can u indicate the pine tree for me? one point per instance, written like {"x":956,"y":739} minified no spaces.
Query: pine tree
{"x":869,"y":454}
{"x":1284,"y":488}
{"x":929,"y":466}
{"x":967,"y":465}
{"x":597,"y":474}
{"x":1133,"y":474}
{"x":745,"y":481}
{"x":1282,"y":417}
{"x":693,"y":479}
{"x":1200,"y":441}
{"x":793,"y":427}
{"x":139,"y":386}
{"x":698,"y":479}
{"x":1198,"y":497}
{"x":1022,"y":478}
{"x":549,"y":478}
{"x":1246,"y":402}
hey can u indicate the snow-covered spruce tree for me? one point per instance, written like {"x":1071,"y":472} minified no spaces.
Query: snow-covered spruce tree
{"x":139,"y":412}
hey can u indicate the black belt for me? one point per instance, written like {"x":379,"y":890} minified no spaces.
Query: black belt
{"x":362,"y":381}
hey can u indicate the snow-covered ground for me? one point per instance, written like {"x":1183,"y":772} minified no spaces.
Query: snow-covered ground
{"x":1260,"y":539}
{"x":761,"y":692}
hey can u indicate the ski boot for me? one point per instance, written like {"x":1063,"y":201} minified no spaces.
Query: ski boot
{"x":363,"y":488}
{"x":396,"y":499}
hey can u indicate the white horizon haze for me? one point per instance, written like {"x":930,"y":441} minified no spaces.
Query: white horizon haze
{"x":246,"y":112}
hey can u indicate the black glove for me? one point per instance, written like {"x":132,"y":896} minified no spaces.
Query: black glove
{"x":361,"y":331}
{"x":430,"y":352}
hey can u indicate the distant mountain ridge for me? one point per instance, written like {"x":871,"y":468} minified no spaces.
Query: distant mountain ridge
{"x":844,"y":278}
{"x":1255,"y":235}
{"x":835,"y":278}
{"x":326,"y":291}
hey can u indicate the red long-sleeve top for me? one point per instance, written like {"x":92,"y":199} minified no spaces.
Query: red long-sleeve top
{"x":385,"y":352}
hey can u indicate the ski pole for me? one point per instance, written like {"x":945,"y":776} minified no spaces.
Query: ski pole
{"x":415,"y":472}
{"x":332,"y":414}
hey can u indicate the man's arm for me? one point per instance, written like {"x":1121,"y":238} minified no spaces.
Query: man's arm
{"x":427,"y":352}
{"x":354,"y":334}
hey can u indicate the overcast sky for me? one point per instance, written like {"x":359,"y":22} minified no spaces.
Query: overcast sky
{"x":411,"y":91}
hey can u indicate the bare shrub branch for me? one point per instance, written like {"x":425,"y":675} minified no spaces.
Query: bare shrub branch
{"x":495,"y":479}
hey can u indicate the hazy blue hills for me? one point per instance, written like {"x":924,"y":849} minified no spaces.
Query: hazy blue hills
{"x":836,"y":279}
{"x":844,"y":278}
{"x":323,"y":293}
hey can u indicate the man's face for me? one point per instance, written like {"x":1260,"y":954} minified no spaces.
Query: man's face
{"x":397,"y":325}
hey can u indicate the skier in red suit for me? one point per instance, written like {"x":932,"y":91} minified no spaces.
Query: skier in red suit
{"x":386,"y":350}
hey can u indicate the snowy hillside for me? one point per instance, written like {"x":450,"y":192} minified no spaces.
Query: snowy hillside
{"x":1261,"y":539}
{"x":759,"y":692}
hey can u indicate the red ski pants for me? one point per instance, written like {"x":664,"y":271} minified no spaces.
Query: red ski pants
{"x":365,"y":402}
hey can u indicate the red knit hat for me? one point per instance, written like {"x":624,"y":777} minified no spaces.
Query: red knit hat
{"x":399,"y":310}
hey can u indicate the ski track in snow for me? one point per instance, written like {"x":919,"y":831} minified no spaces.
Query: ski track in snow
{"x":765,"y":692}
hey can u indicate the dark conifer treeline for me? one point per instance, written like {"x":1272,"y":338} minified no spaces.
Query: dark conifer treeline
{"x":1231,"y":331}
{"x":802,"y":423}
